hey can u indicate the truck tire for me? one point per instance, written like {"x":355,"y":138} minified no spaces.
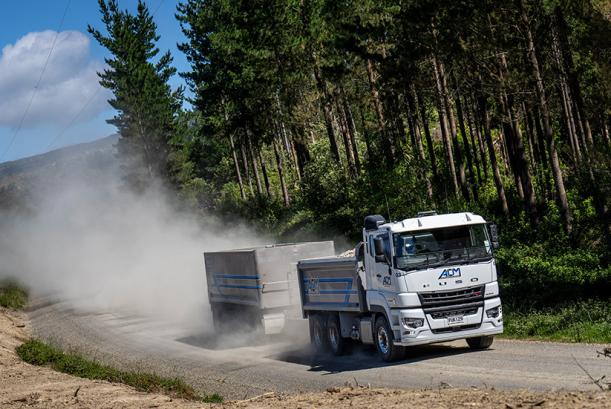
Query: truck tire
{"x":318,"y":333}
{"x":480,"y":342}
{"x":337,"y":344}
{"x":384,"y":340}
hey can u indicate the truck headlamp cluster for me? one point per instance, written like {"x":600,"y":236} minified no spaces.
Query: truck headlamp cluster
{"x":494,"y":312}
{"x":412,"y":322}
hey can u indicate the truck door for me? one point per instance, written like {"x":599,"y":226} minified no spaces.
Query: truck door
{"x":380,"y":277}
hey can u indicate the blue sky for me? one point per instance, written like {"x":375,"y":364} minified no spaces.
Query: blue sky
{"x":69,"y":106}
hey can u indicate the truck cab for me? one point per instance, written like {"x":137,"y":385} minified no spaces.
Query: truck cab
{"x":434,"y":277}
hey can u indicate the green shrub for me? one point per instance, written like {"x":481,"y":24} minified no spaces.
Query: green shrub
{"x":585,"y":321}
{"x":533,"y":277}
{"x":13,"y":296}
{"x":38,"y":353}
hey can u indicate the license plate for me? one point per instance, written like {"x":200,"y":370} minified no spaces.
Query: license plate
{"x":456,"y":320}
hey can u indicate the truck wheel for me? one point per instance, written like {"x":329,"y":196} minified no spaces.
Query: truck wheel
{"x":337,"y":344}
{"x":318,"y":333}
{"x":480,"y":342}
{"x":385,"y":342}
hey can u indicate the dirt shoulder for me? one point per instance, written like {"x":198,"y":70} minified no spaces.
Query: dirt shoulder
{"x":350,"y":397}
{"x":23,"y":385}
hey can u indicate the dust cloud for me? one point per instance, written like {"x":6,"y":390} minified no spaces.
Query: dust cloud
{"x":91,"y":242}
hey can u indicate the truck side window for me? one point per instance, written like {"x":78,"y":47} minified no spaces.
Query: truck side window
{"x":386,"y":239}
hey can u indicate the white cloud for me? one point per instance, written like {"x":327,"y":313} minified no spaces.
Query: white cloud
{"x":69,"y":81}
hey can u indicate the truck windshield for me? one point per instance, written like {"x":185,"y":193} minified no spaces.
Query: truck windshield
{"x":448,"y":245}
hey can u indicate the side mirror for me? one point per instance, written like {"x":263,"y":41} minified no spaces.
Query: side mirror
{"x":494,"y":235}
{"x":378,"y":245}
{"x":359,"y":251}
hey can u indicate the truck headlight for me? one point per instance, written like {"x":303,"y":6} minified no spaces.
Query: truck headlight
{"x":412,"y":322}
{"x":494,"y":312}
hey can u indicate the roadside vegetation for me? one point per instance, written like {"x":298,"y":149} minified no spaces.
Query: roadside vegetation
{"x":307,"y":116}
{"x":35,"y":352}
{"x":13,"y":296}
{"x":586,"y":321}
{"x":38,"y":353}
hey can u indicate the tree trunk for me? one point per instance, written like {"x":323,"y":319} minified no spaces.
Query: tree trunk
{"x":377,"y":103}
{"x":352,"y":132}
{"x":605,"y":130}
{"x":463,"y":133}
{"x":285,"y":192}
{"x":462,"y":179}
{"x":513,"y":140}
{"x":447,"y":145}
{"x":478,"y":124}
{"x":570,"y":126}
{"x":561,"y":198}
{"x":253,"y":160}
{"x":536,"y":156}
{"x":326,"y":108}
{"x":427,"y":134}
{"x":509,"y":144}
{"x":342,"y":123}
{"x":476,"y":157}
{"x":398,"y":126}
{"x":246,"y":168}
{"x":493,"y":163}
{"x":530,"y":199}
{"x":303,"y":156}
{"x":237,"y":167}
{"x":417,"y":138}
{"x":559,"y":25}
{"x":268,"y":187}
{"x":371,"y":154}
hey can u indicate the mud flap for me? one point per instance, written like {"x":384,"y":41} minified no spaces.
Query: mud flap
{"x":273,"y":323}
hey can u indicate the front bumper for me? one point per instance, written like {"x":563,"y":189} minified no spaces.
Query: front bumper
{"x":438,"y":330}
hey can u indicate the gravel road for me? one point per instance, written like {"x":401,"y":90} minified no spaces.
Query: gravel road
{"x":239,"y":367}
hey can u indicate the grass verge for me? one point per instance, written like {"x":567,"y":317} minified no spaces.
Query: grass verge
{"x":12,"y":296}
{"x":38,"y":353}
{"x":588,"y":321}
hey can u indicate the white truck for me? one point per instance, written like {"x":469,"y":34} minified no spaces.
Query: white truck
{"x":422,"y":280}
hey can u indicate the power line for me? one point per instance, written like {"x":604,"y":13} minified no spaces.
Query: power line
{"x":44,"y":68}
{"x":73,"y":120}
{"x":157,"y":8}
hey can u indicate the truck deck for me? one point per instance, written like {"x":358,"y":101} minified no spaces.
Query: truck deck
{"x":331,"y":282}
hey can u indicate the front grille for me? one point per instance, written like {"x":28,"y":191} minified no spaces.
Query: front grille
{"x":438,"y":299}
{"x":455,"y":329}
{"x":448,"y":313}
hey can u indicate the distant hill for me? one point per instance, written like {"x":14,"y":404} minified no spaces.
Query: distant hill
{"x":19,"y":179}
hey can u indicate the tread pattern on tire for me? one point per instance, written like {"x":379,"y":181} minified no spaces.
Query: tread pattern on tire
{"x":317,"y":322}
{"x":342,"y":349}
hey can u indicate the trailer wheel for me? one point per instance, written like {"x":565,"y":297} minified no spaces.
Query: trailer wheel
{"x":480,"y":342}
{"x":385,"y":343}
{"x":318,"y":333}
{"x":337,"y":344}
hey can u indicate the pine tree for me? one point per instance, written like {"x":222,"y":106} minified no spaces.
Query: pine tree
{"x":145,"y":103}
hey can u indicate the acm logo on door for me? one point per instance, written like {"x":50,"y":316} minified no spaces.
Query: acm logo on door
{"x":450,"y":273}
